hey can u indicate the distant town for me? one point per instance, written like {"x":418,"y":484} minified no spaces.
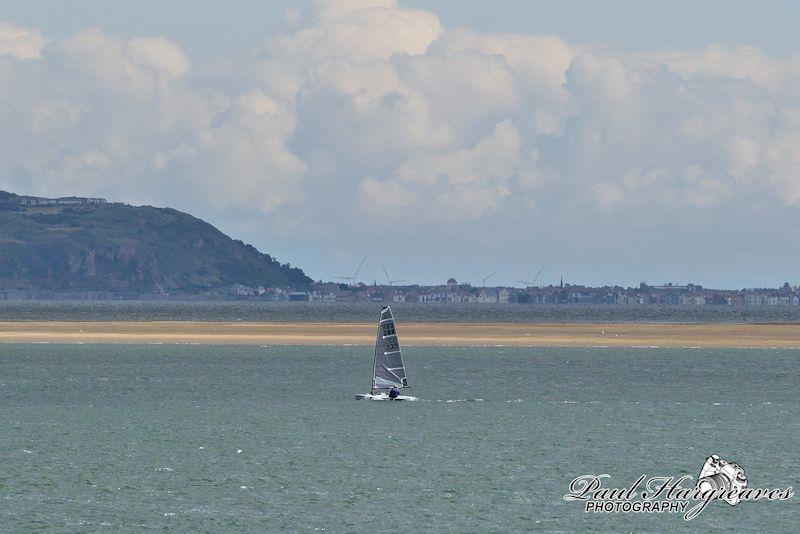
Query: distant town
{"x":453,"y":292}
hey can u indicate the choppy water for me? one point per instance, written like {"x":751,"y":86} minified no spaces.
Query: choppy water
{"x":96,"y":437}
{"x":368,"y":311}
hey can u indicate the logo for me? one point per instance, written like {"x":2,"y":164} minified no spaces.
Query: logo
{"x":718,"y":480}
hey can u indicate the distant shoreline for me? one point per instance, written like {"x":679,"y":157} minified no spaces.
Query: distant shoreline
{"x":720,"y":335}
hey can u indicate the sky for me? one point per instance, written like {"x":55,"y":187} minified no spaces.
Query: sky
{"x":606,"y":142}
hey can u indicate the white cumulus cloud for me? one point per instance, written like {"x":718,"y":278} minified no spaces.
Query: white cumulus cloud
{"x":20,"y":43}
{"x":158,"y":53}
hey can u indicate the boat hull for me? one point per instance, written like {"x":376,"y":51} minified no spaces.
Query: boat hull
{"x":383,"y":397}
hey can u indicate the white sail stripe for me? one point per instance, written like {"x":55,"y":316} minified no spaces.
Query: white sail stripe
{"x":399,"y":380}
{"x":384,"y":381}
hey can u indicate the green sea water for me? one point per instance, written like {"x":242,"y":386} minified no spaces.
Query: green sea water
{"x":348,"y":312}
{"x":265,"y":439}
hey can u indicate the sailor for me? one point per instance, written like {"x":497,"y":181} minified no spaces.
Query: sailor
{"x":394,"y":392}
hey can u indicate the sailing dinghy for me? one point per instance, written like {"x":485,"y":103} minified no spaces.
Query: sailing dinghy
{"x":388,"y":370}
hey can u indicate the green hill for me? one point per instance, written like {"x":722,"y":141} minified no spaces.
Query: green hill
{"x":75,"y":244}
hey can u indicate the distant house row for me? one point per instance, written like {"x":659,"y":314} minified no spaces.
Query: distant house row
{"x":63,"y":201}
{"x":671,"y":295}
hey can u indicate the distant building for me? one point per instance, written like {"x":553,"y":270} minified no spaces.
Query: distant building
{"x":692,"y":300}
{"x":578,"y":297}
{"x":241,"y":290}
{"x":487,"y":296}
{"x":64,"y":201}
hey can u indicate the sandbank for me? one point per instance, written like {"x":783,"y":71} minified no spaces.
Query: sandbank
{"x":421,"y":334}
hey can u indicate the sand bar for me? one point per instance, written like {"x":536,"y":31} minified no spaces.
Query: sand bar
{"x":423,"y":334}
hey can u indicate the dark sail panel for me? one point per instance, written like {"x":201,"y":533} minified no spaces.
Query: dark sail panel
{"x":389,"y":370}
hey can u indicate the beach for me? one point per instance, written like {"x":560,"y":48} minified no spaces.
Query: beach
{"x":420,"y":334}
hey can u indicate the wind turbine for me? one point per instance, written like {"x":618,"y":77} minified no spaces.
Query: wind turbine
{"x":531,"y":284}
{"x":355,"y":274}
{"x":484,"y":278}
{"x":390,"y":281}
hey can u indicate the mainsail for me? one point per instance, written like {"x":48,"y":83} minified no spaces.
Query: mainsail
{"x":388,"y":370}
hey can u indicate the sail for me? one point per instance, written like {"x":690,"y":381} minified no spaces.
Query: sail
{"x":388,"y":370}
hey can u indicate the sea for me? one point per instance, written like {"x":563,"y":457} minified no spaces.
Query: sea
{"x":132,"y":438}
{"x":366,"y":312}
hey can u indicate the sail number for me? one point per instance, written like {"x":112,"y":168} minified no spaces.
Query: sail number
{"x":388,"y":329}
{"x":391,"y":344}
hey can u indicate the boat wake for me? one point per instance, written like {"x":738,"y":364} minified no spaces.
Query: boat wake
{"x":461,"y":400}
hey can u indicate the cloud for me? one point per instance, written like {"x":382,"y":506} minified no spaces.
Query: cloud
{"x":462,"y":184}
{"x":362,"y":30}
{"x":365,"y":107}
{"x":99,"y":115}
{"x":20,"y":43}
{"x":656,"y":134}
{"x":159,"y":53}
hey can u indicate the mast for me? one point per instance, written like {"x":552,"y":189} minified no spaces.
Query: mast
{"x":375,"y":356}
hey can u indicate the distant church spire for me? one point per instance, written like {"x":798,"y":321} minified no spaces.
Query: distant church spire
{"x":562,"y":281}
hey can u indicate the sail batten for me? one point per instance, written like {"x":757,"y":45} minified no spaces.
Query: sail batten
{"x":388,"y":369}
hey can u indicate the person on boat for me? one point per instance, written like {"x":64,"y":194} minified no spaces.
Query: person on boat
{"x":394,"y":392}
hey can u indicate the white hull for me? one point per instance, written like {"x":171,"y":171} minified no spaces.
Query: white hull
{"x":383,"y":397}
